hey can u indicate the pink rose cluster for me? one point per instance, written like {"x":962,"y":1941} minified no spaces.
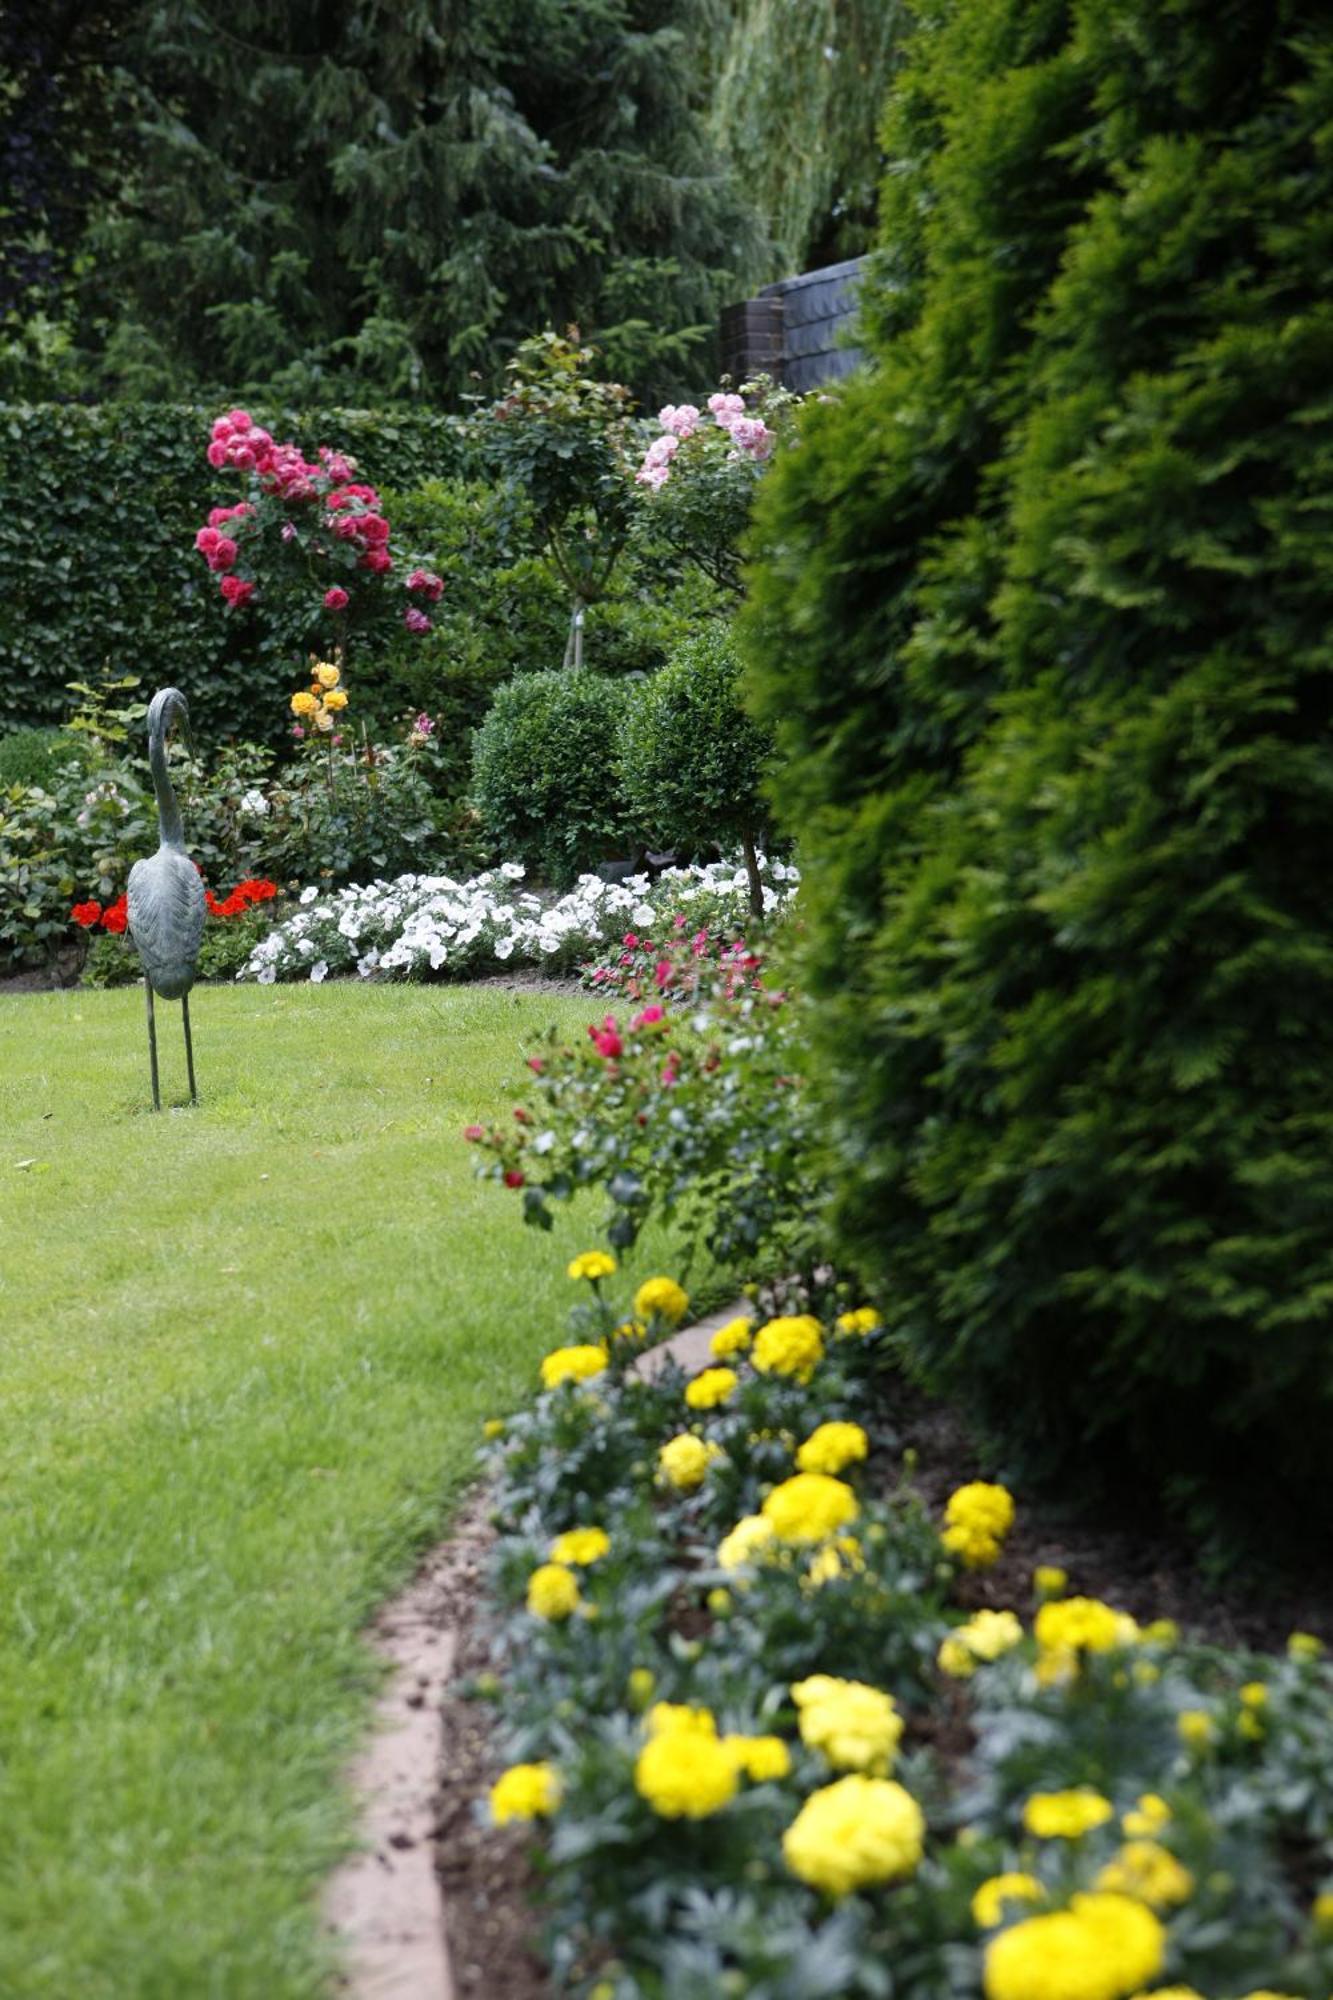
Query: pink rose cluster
{"x":347,"y":512}
{"x":750,"y":436}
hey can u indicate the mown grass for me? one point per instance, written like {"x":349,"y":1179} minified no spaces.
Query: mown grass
{"x":246,"y":1350}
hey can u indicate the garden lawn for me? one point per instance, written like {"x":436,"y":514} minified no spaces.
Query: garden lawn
{"x":247,"y":1350}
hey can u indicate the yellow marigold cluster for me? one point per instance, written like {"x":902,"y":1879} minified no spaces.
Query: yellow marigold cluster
{"x":580,"y":1546}
{"x":976,"y":1521}
{"x":733,"y":1338}
{"x":831,"y":1447}
{"x":592,"y":1264}
{"x":572,"y":1364}
{"x":988,"y":1904}
{"x":746,"y":1542}
{"x":835,"y":1560}
{"x":1149,"y":1815}
{"x":759,"y":1758}
{"x":553,"y":1591}
{"x":524,"y":1791}
{"x":1073,"y":1626}
{"x":853,"y":1834}
{"x":856,"y":1727}
{"x":1194,"y":1726}
{"x":1103,"y":1947}
{"x":683,"y":1771}
{"x":711,"y":1388}
{"x":1066,"y":1815}
{"x":662,"y":1297}
{"x":792,"y":1346}
{"x":1150,"y":1872}
{"x":857,"y":1324}
{"x":985,"y":1636}
{"x":810,"y":1507}
{"x":683,"y":1461}
{"x":667,"y":1718}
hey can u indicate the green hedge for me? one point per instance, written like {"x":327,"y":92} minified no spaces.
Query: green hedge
{"x":1044,"y":622}
{"x":544,"y":776}
{"x":98,"y":509}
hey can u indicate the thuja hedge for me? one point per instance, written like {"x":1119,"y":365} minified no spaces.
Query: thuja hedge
{"x":1044,"y":622}
{"x":98,"y":508}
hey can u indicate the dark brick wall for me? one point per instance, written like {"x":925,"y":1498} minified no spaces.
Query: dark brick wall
{"x":795,"y":330}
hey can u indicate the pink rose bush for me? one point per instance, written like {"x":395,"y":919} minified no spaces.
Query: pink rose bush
{"x":308,"y":527}
{"x":747,"y":435}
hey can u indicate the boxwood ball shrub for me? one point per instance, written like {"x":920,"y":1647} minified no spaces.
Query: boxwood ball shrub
{"x":692,"y":761}
{"x":1042,"y":624}
{"x":544,"y":776}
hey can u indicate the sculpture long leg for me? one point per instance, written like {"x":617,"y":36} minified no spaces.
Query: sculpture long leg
{"x":189,"y":1046}
{"x":152,"y":1040}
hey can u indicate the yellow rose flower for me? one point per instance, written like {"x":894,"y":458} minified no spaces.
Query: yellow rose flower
{"x":854,"y":1834}
{"x":572,"y":1364}
{"x":683,"y":1461}
{"x":1101,"y":1948}
{"x":1149,"y":1872}
{"x":580,"y":1546}
{"x":1066,"y":1815}
{"x":592,"y":1264}
{"x":856,"y":1727}
{"x":335,"y":699}
{"x":831,"y":1447}
{"x":810,"y":1507}
{"x":686,"y":1774}
{"x":747,"y":1540}
{"x":303,"y":703}
{"x":663,"y":1297}
{"x":553,"y":1592}
{"x":525,"y":1791}
{"x":988,"y":1904}
{"x":792,"y":1346}
{"x":711,"y":1388}
{"x":325,"y":673}
{"x":733,"y":1338}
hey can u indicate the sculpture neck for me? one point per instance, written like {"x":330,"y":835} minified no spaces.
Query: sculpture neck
{"x":171,"y":832}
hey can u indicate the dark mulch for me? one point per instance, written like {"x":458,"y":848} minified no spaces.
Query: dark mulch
{"x":1144,"y":1569}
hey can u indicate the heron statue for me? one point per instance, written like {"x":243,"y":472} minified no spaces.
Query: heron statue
{"x":166,"y":892}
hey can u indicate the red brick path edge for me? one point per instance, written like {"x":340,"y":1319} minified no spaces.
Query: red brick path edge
{"x":383,"y":1907}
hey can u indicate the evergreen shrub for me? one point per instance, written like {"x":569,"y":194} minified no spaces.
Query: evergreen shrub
{"x":544,"y":775}
{"x":1043,"y":626}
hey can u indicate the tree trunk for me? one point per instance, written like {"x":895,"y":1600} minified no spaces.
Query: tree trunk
{"x":752,"y":870}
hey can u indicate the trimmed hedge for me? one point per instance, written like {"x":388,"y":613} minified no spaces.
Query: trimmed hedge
{"x":1044,"y":622}
{"x":544,"y":774}
{"x":97,"y":563}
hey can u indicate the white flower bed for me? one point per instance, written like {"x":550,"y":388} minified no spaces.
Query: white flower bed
{"x":429,"y":926}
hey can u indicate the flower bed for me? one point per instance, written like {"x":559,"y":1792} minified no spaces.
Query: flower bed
{"x":430,"y":926}
{"x":780,"y":1744}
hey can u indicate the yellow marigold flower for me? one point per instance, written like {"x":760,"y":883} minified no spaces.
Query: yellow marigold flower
{"x":733,"y":1338}
{"x":524,"y":1791}
{"x":325,"y":673}
{"x":683,"y":1461}
{"x":664,"y":1297}
{"x":985,"y":1636}
{"x":990,"y":1899}
{"x":856,"y":1727}
{"x":976,"y":1521}
{"x":572,"y":1364}
{"x":834,"y":1561}
{"x":1080,"y":1625}
{"x":832,"y":1446}
{"x":1304,"y":1646}
{"x":1146,"y":1672}
{"x":1150,"y":1815}
{"x":1102,"y":1947}
{"x":810,"y":1507}
{"x":857,"y":1324}
{"x":1066,"y":1815}
{"x":759,"y":1758}
{"x":1150,"y":1872}
{"x":746,"y":1542}
{"x":1194,"y":1726}
{"x":335,"y":699}
{"x":1254,"y":1694}
{"x":1171,"y":1993}
{"x":665,"y":1718}
{"x":304,"y":703}
{"x":956,"y":1658}
{"x":592,"y":1264}
{"x":1049,"y":1581}
{"x":642,"y":1681}
{"x":714,"y":1386}
{"x":580,"y":1546}
{"x":1266,"y":1995}
{"x":853,"y":1834}
{"x":686,"y":1774}
{"x":793,"y":1346}
{"x":629,"y":1329}
{"x":1161,"y":1632}
{"x":493,"y":1427}
{"x":719,"y":1602}
{"x":1321,"y":1910}
{"x":1250,"y":1726}
{"x":553,"y":1591}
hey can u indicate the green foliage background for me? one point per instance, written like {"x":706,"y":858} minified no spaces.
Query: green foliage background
{"x":1043,"y":624}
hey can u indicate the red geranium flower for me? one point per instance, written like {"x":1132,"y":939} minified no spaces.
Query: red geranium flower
{"x":86,"y":914}
{"x":115,"y":916}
